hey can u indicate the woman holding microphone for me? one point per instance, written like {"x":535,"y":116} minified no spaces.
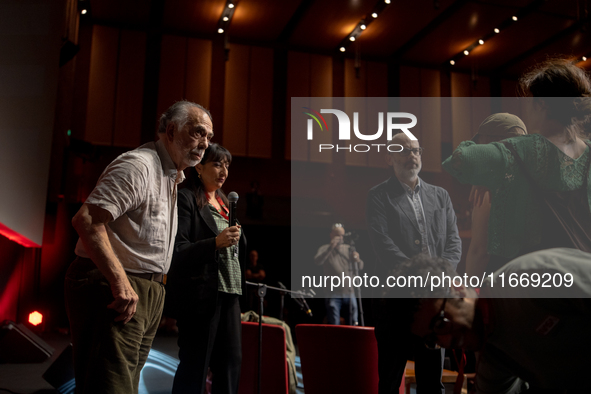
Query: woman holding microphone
{"x":206,"y":280}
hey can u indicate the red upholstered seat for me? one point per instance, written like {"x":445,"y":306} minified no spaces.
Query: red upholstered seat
{"x":338,"y":359}
{"x":274,"y":379}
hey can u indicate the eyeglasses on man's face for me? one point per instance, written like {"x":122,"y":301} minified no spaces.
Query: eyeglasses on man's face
{"x":440,"y":325}
{"x":407,"y":152}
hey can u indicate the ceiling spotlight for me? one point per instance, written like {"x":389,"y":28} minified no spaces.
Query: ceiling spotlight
{"x":387,"y":1}
{"x":83,"y":12}
{"x":230,"y":5}
{"x":220,"y":30}
{"x":342,"y":49}
{"x":497,"y":30}
{"x":225,"y":18}
{"x":514,"y":18}
{"x":352,"y":38}
{"x":584,"y":58}
{"x":363,"y":27}
{"x":466,"y":52}
{"x":481,"y":42}
{"x":374,"y":15}
{"x":452,"y":62}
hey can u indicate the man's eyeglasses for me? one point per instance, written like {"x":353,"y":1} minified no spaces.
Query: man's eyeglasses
{"x":440,"y":325}
{"x":407,"y":152}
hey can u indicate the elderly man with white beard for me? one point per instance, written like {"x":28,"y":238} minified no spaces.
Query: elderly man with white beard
{"x":407,"y":216}
{"x":127,"y":227}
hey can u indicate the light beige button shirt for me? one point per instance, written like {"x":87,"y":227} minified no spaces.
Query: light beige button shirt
{"x":139,"y":189}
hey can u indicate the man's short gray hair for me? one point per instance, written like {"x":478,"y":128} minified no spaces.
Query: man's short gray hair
{"x":178,"y":113}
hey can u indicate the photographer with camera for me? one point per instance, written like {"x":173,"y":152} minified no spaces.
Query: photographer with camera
{"x":339,"y":258}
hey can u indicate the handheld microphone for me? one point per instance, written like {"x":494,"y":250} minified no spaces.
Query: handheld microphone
{"x":233,"y":200}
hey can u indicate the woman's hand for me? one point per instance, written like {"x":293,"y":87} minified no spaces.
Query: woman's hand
{"x":228,"y":237}
{"x":477,"y":195}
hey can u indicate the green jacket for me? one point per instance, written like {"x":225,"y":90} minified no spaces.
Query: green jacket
{"x":514,"y":224}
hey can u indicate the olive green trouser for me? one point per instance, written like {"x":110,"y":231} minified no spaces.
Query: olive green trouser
{"x":109,"y":355}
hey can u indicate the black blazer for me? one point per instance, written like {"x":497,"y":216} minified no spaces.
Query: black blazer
{"x":192,"y":283}
{"x":393,"y":227}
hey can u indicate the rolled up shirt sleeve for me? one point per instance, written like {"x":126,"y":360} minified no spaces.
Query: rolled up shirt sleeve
{"x":121,"y":187}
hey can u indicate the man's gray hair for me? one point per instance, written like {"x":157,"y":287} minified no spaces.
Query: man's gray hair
{"x":178,"y":113}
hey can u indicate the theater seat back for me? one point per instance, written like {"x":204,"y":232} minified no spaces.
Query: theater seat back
{"x":338,"y":359}
{"x":274,"y":379}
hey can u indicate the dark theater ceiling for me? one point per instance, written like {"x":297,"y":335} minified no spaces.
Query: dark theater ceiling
{"x":426,"y":33}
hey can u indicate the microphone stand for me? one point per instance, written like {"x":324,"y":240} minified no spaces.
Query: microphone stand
{"x":262,"y":292}
{"x":358,"y":290}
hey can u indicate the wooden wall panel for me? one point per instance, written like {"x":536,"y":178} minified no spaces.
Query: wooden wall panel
{"x":410,"y":81}
{"x":481,"y":108}
{"x":461,"y":108}
{"x":410,"y":92}
{"x":298,"y":85}
{"x":430,"y":119}
{"x":481,"y":87}
{"x":130,"y":87}
{"x":236,"y":100}
{"x":260,"y":103}
{"x":320,"y":76}
{"x":430,"y":83}
{"x":173,"y":59}
{"x":375,"y":106}
{"x":377,"y":79}
{"x":460,"y":85}
{"x":355,"y":86}
{"x":102,"y":85}
{"x":197,"y":85}
{"x":509,"y":88}
{"x":321,"y":97}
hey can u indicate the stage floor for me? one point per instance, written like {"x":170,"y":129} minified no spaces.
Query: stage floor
{"x":157,"y":374}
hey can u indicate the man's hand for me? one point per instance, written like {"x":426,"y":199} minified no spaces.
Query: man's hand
{"x":90,"y":223}
{"x":125,"y":301}
{"x":355,"y":256}
{"x":336,"y":241}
